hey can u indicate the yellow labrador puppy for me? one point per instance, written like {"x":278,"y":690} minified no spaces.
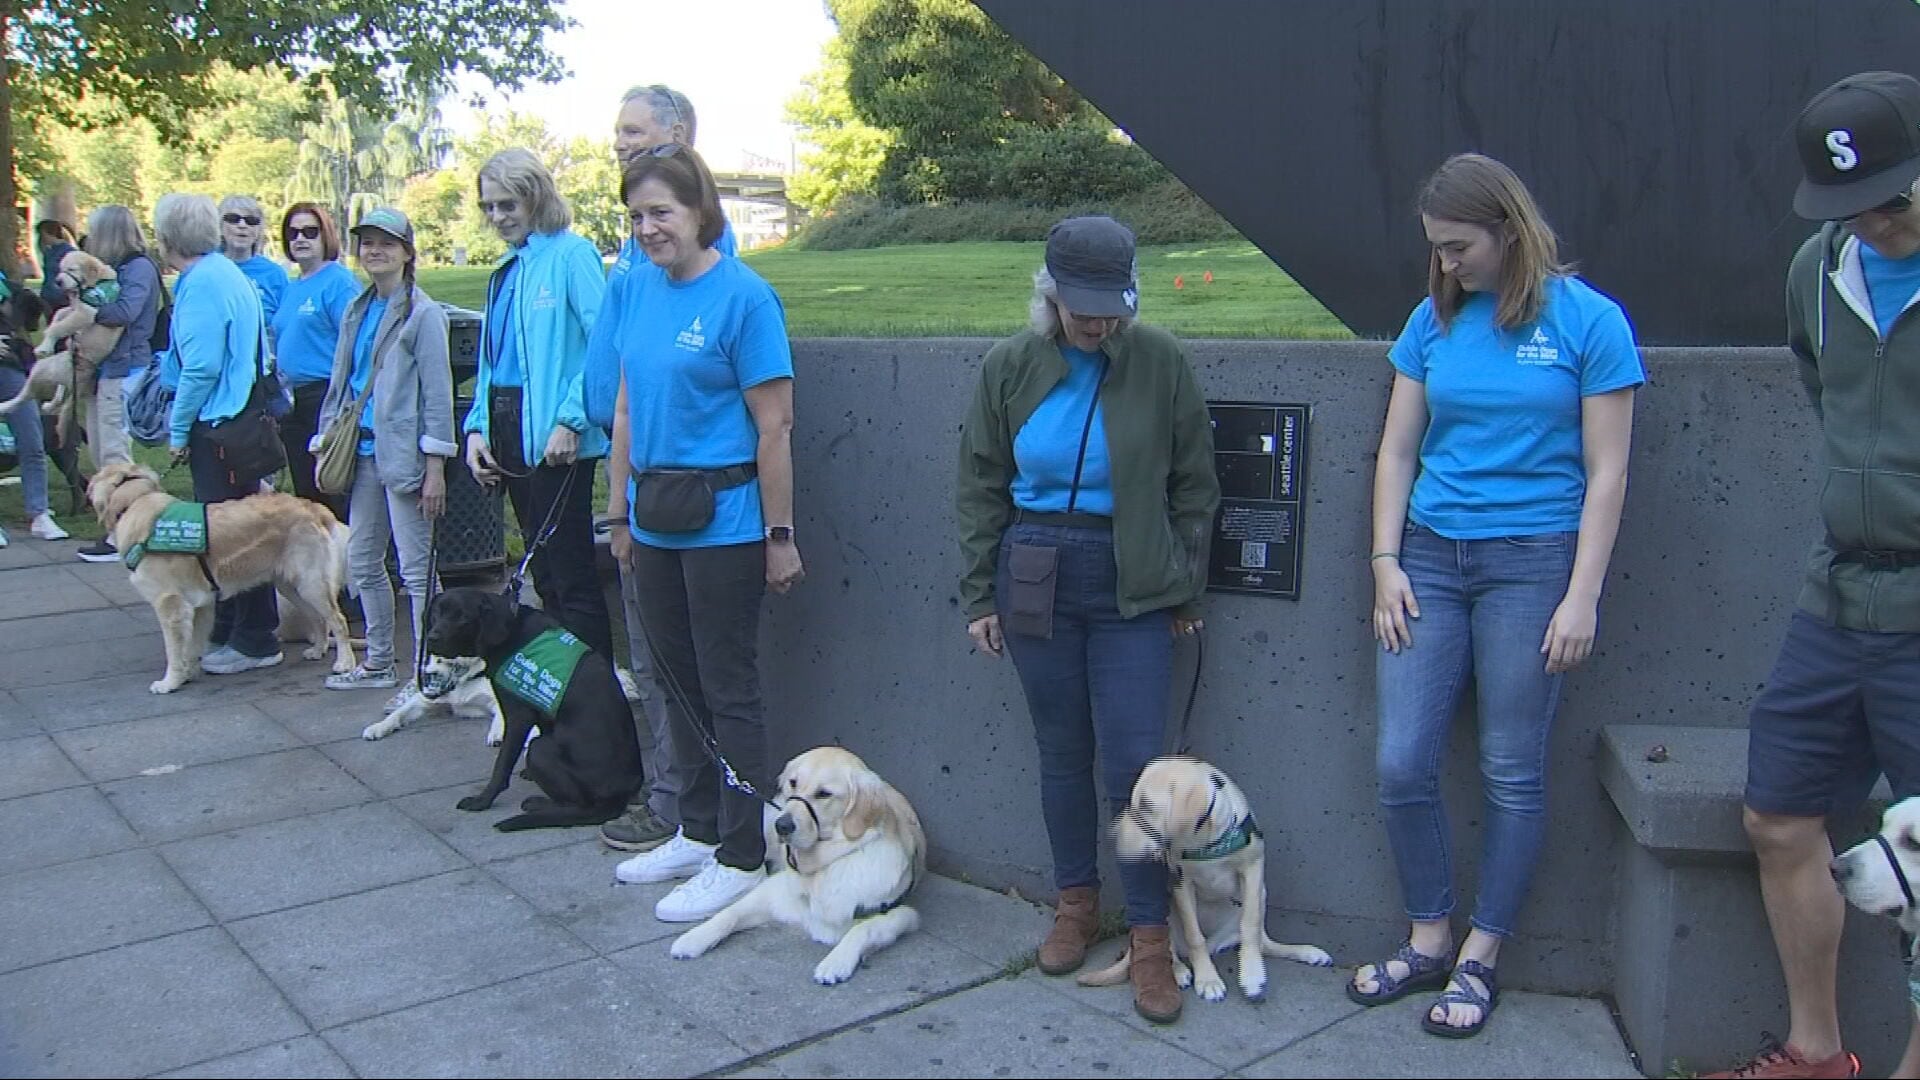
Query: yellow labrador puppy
{"x":73,"y":345}
{"x":1188,"y":814}
{"x":853,"y":849}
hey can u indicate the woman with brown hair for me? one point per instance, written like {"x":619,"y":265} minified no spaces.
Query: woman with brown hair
{"x":306,"y":332}
{"x":1496,"y":499}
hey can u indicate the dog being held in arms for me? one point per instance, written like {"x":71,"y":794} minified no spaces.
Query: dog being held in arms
{"x":295,"y":545}
{"x":63,"y":376}
{"x":1188,"y":814}
{"x":853,"y":848}
{"x":1878,"y":876}
{"x":587,"y":758}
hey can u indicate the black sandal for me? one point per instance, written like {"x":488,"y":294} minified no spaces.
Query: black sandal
{"x":1423,"y":973}
{"x":1461,"y":992}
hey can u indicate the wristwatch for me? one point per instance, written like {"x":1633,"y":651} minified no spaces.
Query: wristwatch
{"x":780,"y":534}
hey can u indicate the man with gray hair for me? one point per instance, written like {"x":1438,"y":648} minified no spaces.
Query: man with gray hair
{"x":650,"y":117}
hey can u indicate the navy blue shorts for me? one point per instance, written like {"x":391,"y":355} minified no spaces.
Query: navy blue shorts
{"x":1840,"y":708}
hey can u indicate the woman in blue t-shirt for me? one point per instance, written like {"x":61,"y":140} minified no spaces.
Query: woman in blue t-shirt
{"x":306,"y":332}
{"x":242,"y":235}
{"x":1496,"y":499}
{"x":706,"y":390}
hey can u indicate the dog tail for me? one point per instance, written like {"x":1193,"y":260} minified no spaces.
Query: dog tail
{"x":1112,"y":975}
{"x":337,"y":536}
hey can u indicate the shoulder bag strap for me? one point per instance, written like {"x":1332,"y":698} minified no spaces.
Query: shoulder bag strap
{"x":1086,"y":430}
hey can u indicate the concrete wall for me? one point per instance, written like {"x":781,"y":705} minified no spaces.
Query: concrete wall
{"x":871,"y":652}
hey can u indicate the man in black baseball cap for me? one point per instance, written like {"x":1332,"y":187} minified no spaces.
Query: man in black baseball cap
{"x":1859,"y":143}
{"x":1839,"y":708}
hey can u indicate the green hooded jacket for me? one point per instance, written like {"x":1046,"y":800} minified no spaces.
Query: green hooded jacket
{"x":1160,"y":444}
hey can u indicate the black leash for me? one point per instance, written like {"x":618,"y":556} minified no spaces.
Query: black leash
{"x":426,"y":609}
{"x":1184,"y":745}
{"x":541,"y":535}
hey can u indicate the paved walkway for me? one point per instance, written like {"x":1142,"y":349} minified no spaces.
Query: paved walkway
{"x":227,"y":881}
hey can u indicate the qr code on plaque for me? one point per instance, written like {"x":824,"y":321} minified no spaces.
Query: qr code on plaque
{"x":1253,"y":555}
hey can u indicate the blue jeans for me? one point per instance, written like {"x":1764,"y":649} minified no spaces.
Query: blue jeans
{"x":29,"y":441}
{"x":1484,"y":609}
{"x":1099,"y":678}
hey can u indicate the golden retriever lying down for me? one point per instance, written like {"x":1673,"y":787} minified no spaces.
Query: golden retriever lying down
{"x":1186,"y":813}
{"x":853,"y":848}
{"x":275,"y":539}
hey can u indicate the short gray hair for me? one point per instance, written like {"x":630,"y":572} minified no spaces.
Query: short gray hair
{"x":240,"y":204}
{"x":528,"y":180}
{"x":187,"y":226}
{"x":669,"y":106}
{"x":113,"y":235}
{"x":1043,"y":310}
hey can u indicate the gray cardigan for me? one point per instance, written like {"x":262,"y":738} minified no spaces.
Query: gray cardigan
{"x":412,"y":391}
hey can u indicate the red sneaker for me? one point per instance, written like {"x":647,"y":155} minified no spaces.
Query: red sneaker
{"x":1779,"y":1060}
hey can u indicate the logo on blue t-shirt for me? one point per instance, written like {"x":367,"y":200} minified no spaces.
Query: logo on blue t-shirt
{"x":308,"y":307}
{"x":1539,"y":350}
{"x":692,"y":338}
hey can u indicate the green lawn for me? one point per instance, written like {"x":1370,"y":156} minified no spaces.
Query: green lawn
{"x":981,"y":289}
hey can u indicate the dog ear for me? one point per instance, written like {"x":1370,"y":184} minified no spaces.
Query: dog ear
{"x":493,"y":623}
{"x":864,"y":808}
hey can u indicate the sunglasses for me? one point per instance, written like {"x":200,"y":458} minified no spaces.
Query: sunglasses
{"x":1899,"y":204}
{"x":304,"y":232}
{"x":505,"y":206}
{"x":235,"y":219}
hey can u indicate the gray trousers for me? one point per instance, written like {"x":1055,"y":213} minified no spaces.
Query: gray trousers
{"x":665,"y":780}
{"x":107,"y":424}
{"x":378,"y":515}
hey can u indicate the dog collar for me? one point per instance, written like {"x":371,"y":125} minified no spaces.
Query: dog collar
{"x":1243,"y":832}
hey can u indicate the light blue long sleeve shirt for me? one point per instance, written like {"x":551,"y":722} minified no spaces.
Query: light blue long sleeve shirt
{"x":217,"y":335}
{"x":558,"y":291}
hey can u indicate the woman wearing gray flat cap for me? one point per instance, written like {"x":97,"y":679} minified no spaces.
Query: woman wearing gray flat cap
{"x":1086,"y":491}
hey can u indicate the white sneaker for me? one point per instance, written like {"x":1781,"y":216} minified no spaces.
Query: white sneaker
{"x":711,"y":890}
{"x":45,"y":528}
{"x":677,"y":858}
{"x":3,"y":538}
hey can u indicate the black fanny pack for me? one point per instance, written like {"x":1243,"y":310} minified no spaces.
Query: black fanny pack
{"x":681,"y":500}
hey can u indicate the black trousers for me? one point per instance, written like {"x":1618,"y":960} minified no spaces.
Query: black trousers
{"x":297,"y":428}
{"x":565,"y":571}
{"x":250,"y":621}
{"x":701,"y":610}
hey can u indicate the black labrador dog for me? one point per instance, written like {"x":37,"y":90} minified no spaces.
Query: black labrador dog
{"x":587,"y":755}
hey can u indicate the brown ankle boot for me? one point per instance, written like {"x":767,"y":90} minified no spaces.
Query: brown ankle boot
{"x":1155,"y":995}
{"x":1075,"y":923}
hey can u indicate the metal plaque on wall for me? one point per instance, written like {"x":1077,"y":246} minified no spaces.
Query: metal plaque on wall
{"x":1260,"y":456}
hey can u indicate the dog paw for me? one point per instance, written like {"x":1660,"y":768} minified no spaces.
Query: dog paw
{"x":689,"y":945}
{"x":831,"y":972}
{"x":1254,"y":984}
{"x":475,"y":802}
{"x":165,"y":686}
{"x":314,"y":652}
{"x":1182,"y":975}
{"x":378,"y":730}
{"x":1211,"y":988}
{"x":1315,"y":957}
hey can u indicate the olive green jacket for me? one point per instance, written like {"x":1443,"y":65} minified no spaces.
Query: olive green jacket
{"x":1159,"y":444}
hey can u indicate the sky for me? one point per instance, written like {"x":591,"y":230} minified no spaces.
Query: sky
{"x":739,"y":84}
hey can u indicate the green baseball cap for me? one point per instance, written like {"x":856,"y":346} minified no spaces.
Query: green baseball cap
{"x":386,"y":219}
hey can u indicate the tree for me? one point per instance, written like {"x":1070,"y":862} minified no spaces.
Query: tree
{"x":155,"y":61}
{"x":354,"y":151}
{"x":848,"y":151}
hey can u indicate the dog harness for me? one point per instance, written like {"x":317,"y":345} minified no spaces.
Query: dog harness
{"x":1243,"y":832}
{"x":100,"y":294}
{"x":539,"y":672}
{"x":863,"y":911}
{"x":181,"y":529}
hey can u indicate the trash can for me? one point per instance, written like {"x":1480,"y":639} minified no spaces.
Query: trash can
{"x":473,"y":537}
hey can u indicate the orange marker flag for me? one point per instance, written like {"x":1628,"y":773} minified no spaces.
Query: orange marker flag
{"x":1179,"y":282}
{"x":1208,"y":277}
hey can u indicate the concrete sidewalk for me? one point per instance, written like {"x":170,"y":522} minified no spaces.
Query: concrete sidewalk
{"x":227,"y":881}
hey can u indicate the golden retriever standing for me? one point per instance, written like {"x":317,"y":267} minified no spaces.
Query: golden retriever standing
{"x":1188,"y":814}
{"x":275,"y":539}
{"x":62,"y":377}
{"x":854,"y":849}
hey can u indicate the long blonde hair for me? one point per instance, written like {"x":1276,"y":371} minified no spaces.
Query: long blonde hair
{"x":1473,"y":189}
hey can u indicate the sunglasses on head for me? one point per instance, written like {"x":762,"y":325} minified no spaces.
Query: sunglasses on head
{"x":235,"y":219}
{"x":303,"y":232}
